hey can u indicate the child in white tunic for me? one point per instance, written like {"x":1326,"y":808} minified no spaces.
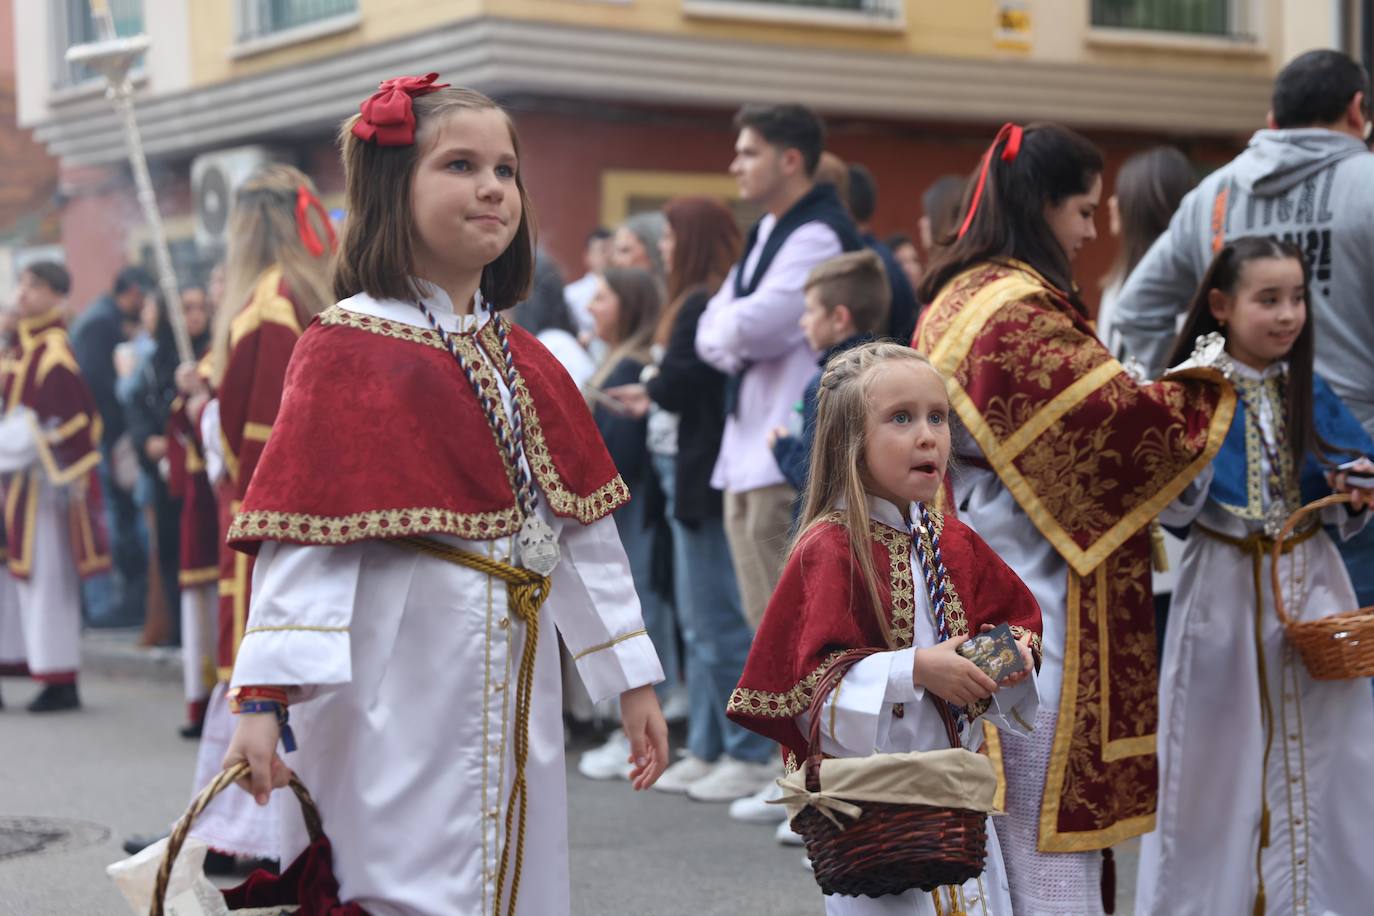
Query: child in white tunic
{"x":1246,"y":736}
{"x":874,"y":566}
{"x":407,"y":533}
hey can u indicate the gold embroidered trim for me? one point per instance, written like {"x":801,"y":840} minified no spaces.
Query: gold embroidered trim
{"x":382,"y":523}
{"x":586,"y":509}
{"x":902,"y":621}
{"x":1252,"y":392}
{"x":189,"y":578}
{"x":609,"y":643}
{"x":70,"y":428}
{"x":294,"y":628}
{"x":789,"y":705}
{"x":256,"y":432}
{"x":337,"y":315}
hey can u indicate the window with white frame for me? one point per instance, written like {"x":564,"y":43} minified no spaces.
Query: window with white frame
{"x":259,"y":19}
{"x":1225,"y":19}
{"x":74,"y":24}
{"x":877,"y":12}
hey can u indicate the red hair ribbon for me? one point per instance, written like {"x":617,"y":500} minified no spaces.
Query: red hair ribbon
{"x":388,"y":118}
{"x":1013,"y":134}
{"x":305,"y":202}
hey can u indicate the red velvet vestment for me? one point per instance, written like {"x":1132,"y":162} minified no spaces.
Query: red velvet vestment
{"x":188,"y":481}
{"x":40,"y":372}
{"x":381,"y":435}
{"x":821,"y":608}
{"x":1092,"y":456}
{"x":261,"y":339}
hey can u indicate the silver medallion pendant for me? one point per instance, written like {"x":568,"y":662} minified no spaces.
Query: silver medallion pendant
{"x":536,"y":546}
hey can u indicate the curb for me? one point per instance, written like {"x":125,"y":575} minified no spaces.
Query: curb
{"x":116,"y":653}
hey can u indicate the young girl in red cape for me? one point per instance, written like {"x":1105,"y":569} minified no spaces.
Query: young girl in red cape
{"x":433,"y":503}
{"x":876,"y":566}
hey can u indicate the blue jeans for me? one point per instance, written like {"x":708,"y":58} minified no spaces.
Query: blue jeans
{"x":1358,"y":554}
{"x":658,"y":614}
{"x":714,"y":632}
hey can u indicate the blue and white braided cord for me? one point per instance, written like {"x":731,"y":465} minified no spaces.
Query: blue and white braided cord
{"x":936,"y":576}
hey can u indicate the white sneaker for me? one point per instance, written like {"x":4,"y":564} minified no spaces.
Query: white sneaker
{"x":787,"y":836}
{"x":610,"y":761}
{"x":732,"y":779}
{"x":681,"y":775}
{"x":753,"y":808}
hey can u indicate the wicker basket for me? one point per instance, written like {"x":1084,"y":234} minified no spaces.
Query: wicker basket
{"x":313,"y":825}
{"x":1340,"y":647}
{"x":889,"y":848}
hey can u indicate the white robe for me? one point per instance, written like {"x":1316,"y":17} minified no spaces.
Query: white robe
{"x":1042,"y":884}
{"x":860,"y":722}
{"x":1320,"y":777}
{"x":403,"y":670}
{"x":50,"y":598}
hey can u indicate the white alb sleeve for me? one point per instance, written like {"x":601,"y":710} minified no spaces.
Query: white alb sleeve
{"x":299,"y":619}
{"x":595,"y":608}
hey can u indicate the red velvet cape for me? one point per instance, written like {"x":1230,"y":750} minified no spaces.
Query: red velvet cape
{"x":262,"y":337}
{"x":822,"y":608}
{"x":40,"y":372}
{"x":380,"y":435}
{"x":187,"y":481}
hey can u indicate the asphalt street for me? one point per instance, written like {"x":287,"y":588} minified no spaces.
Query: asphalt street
{"x":72,"y":786}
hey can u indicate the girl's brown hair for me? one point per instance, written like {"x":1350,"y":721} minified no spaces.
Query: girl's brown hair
{"x":1149,"y":188}
{"x":376,"y":256}
{"x":837,"y":452}
{"x":1053,"y":164}
{"x":640,"y":299}
{"x":263,"y":232}
{"x":706,"y":242}
{"x":1224,"y":275}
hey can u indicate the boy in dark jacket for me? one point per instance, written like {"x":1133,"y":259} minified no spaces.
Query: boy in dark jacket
{"x":847,"y":303}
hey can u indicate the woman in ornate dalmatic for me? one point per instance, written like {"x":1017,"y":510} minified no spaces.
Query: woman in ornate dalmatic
{"x":277,"y":268}
{"x":54,"y":532}
{"x":434,"y":503}
{"x":1066,"y":460}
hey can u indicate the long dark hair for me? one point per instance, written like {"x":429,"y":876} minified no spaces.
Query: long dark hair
{"x":1149,"y":188}
{"x":1054,"y":163}
{"x":1224,"y":275}
{"x":706,"y":241}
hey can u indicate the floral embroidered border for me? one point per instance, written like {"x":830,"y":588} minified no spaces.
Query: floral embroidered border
{"x":787,"y":705}
{"x":379,"y":524}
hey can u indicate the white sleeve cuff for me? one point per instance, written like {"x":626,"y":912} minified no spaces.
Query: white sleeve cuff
{"x":610,"y":670}
{"x":900,"y":686}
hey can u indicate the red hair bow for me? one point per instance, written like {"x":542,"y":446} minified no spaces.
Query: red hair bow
{"x":1013,"y":134}
{"x":388,"y":117}
{"x":305,"y":202}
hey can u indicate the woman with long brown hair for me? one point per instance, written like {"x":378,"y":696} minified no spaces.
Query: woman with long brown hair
{"x":702,"y":241}
{"x":1067,"y":459}
{"x":1149,"y":187}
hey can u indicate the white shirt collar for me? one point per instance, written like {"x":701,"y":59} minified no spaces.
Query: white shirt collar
{"x":1277,"y":367}
{"x":884,"y":512}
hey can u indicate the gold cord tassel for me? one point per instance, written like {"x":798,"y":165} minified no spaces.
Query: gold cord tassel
{"x":1159,"y":556}
{"x":526,"y":593}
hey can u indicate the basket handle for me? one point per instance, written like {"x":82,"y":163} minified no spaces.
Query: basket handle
{"x":824,"y":687}
{"x":313,"y":824}
{"x":1335,"y":499}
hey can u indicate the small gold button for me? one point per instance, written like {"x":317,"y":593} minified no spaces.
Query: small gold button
{"x":503,"y":623}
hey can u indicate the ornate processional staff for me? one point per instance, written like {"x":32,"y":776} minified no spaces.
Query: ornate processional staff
{"x":112,"y":57}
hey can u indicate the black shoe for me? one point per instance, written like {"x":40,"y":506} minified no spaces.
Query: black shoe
{"x":220,"y":865}
{"x":191,"y":731}
{"x":141,"y":841}
{"x":56,"y":698}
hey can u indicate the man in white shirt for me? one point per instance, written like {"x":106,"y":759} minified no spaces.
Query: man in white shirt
{"x":750,"y":330}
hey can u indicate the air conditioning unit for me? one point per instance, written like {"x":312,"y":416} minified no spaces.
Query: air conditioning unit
{"x":214,"y":179}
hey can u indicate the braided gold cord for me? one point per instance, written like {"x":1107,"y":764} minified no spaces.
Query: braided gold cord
{"x":526,"y":592}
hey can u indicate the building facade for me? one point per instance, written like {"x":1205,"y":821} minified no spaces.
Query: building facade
{"x":622,"y":103}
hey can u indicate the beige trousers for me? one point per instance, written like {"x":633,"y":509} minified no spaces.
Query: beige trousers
{"x":757,"y":523}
